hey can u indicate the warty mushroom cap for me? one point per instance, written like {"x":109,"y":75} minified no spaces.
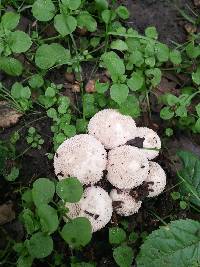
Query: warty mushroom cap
{"x":127,"y":167}
{"x":156,"y":179}
{"x":81,"y":156}
{"x":123,"y":203}
{"x":95,"y":204}
{"x":111,"y":128}
{"x":146,"y":138}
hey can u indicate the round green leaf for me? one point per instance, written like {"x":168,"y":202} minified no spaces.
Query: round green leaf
{"x":162,"y":52}
{"x":154,"y":75}
{"x":24,"y":261}
{"x":40,"y":245}
{"x":43,"y":57}
{"x":176,"y":244}
{"x":77,"y":232}
{"x":48,"y":218}
{"x":136,"y":81}
{"x":122,"y":12}
{"x":123,"y":256}
{"x":43,"y":10}
{"x":196,"y":76}
{"x":166,"y":113}
{"x":119,"y":45}
{"x":69,"y":189}
{"x":119,"y":93}
{"x":108,"y":15}
{"x":151,"y":32}
{"x":116,"y":235}
{"x":61,"y":55}
{"x":72,"y":4}
{"x":69,"y":130}
{"x":43,"y":191}
{"x":131,"y":107}
{"x":65,"y":24}
{"x":36,"y":81}
{"x":11,"y":66}
{"x":19,"y":41}
{"x":10,"y":20}
{"x":175,"y":57}
{"x":87,"y":21}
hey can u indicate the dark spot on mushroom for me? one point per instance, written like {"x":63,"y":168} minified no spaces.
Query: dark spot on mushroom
{"x":137,"y":142}
{"x":60,"y":174}
{"x":89,"y":213}
{"x":142,"y":166}
{"x":117,"y":204}
{"x":105,"y":172}
{"x":96,"y":216}
{"x":56,"y":155}
{"x":141,"y":192}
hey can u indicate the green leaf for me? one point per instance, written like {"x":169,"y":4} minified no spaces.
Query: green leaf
{"x":10,"y":20}
{"x":197,"y":125}
{"x":83,"y":264}
{"x":123,"y":256}
{"x":114,"y":64}
{"x":43,"y":57}
{"x":176,"y":244}
{"x":13,"y":175}
{"x":119,"y":93}
{"x":85,"y":20}
{"x":190,"y":176}
{"x":24,"y":261}
{"x":136,"y":58}
{"x":69,"y":189}
{"x":19,"y":41}
{"x":175,"y":57}
{"x":162,"y":52}
{"x":119,"y":45}
{"x":154,"y":75}
{"x":77,"y":232}
{"x":136,"y":81}
{"x":61,"y":55}
{"x":40,"y":245}
{"x":131,"y":107}
{"x":48,"y":218}
{"x":171,"y":99}
{"x":43,"y":10}
{"x":122,"y":12}
{"x":101,"y":88}
{"x":198,"y":109}
{"x":108,"y":15}
{"x":166,"y":113}
{"x":11,"y":66}
{"x":43,"y":191}
{"x":81,"y":125}
{"x":151,"y":32}
{"x":72,"y":4}
{"x":89,"y":108}
{"x":18,"y":91}
{"x":69,"y":130}
{"x":181,"y":111}
{"x":116,"y":235}
{"x":196,"y":76}
{"x":101,"y":4}
{"x":65,"y":24}
{"x":29,"y":221}
{"x":36,"y":81}
{"x":63,"y":103}
{"x":50,"y":92}
{"x":192,"y":50}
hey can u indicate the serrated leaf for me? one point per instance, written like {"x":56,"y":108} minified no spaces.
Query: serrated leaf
{"x":176,"y":244}
{"x":43,"y":10}
{"x":190,"y":176}
{"x":114,"y":64}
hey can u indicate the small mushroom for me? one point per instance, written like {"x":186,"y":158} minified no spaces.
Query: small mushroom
{"x":123,"y":203}
{"x":156,"y":179}
{"x":81,"y":156}
{"x":111,"y":128}
{"x":147,"y":140}
{"x":127,"y":167}
{"x":95,"y":204}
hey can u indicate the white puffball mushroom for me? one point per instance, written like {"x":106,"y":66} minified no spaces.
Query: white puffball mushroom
{"x":81,"y":156}
{"x":123,"y":203}
{"x":147,"y":140}
{"x":156,"y":179}
{"x":111,"y":128}
{"x":95,"y":204}
{"x":127,"y":167}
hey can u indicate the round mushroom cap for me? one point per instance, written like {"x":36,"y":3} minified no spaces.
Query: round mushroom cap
{"x":147,"y":140}
{"x":111,"y":128}
{"x":127,"y":167}
{"x":156,"y":179}
{"x":81,"y":156}
{"x":123,"y":203}
{"x":95,"y":204}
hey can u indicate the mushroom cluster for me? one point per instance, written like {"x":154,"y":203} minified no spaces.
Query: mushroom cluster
{"x":118,"y":152}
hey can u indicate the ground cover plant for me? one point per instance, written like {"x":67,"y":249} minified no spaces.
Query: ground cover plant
{"x":63,"y":61}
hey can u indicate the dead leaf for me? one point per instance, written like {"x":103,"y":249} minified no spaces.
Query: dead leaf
{"x":190,"y":28}
{"x":7,"y":213}
{"x":9,"y":116}
{"x":90,"y":86}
